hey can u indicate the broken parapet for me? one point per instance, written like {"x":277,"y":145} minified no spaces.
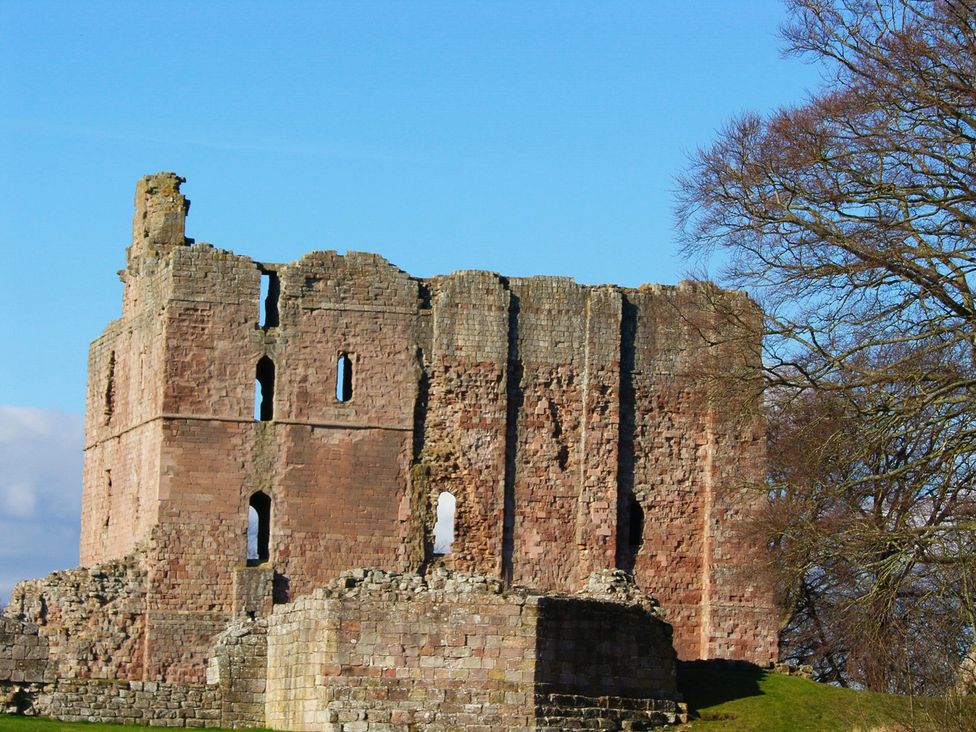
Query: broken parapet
{"x":93,"y":618}
{"x":619,"y":586}
{"x":159,"y":223}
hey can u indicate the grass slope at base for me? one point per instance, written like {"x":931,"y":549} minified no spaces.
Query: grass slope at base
{"x":13,"y":723}
{"x":741,"y":700}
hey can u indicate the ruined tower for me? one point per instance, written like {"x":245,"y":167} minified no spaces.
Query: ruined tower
{"x":570,"y":423}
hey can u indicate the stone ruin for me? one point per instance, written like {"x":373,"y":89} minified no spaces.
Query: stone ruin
{"x":257,"y":432}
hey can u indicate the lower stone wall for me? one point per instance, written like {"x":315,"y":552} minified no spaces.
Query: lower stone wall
{"x":28,"y":685}
{"x":381,"y":705}
{"x":123,"y":702}
{"x":593,"y":648}
{"x":133,"y":702}
{"x":177,"y":644}
{"x":569,"y":711}
{"x":374,"y":646}
{"x":377,"y":651}
{"x":92,"y":618}
{"x":24,"y":653}
{"x":239,"y":664}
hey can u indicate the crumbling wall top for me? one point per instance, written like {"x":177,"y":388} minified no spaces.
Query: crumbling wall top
{"x":613,"y":586}
{"x":160,"y":216}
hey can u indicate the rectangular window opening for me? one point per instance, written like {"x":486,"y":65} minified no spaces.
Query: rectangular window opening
{"x":270,"y":290}
{"x":343,"y":378}
{"x":264,"y":390}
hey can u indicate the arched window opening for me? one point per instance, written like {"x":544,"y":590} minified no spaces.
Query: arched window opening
{"x":444,"y":526}
{"x":264,"y":390}
{"x":344,"y":378}
{"x":270,"y":290}
{"x":258,"y":528}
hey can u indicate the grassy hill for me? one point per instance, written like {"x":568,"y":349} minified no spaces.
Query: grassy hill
{"x":751,"y":700}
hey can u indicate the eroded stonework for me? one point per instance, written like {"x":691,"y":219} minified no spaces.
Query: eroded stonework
{"x":571,"y":424}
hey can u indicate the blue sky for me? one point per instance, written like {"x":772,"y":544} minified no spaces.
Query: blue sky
{"x":522,"y":137}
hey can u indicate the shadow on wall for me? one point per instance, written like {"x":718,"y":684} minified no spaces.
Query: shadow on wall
{"x":595,"y":648}
{"x":708,"y":683}
{"x":280,"y":589}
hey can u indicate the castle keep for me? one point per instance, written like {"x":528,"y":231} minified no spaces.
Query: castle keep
{"x":336,"y":403}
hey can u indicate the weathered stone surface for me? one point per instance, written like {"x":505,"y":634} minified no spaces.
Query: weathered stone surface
{"x":239,"y":665}
{"x":92,"y":620}
{"x":571,"y":424}
{"x":565,"y":420}
{"x":374,"y":649}
{"x":966,"y":681}
{"x":24,"y":653}
{"x":458,"y":651}
{"x":122,"y":702}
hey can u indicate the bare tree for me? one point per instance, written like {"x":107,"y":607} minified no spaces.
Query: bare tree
{"x":852,"y":220}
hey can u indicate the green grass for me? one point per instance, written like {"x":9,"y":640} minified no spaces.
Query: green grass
{"x":756,"y":701}
{"x":12,"y":723}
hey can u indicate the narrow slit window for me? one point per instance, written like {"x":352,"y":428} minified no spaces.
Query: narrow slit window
{"x":444,"y":526}
{"x":110,"y":389}
{"x":270,"y":289}
{"x":108,"y":499}
{"x":344,"y":378}
{"x":636,"y":533}
{"x":264,"y":390}
{"x":258,"y":528}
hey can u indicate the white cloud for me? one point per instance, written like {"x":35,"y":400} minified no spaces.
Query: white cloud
{"x":16,"y":423}
{"x":40,"y":492}
{"x":18,"y":499}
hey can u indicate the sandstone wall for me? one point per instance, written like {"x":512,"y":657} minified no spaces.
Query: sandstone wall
{"x":375,"y":651}
{"x":692,"y":447}
{"x":119,"y":702}
{"x":126,"y":371}
{"x":740,"y":598}
{"x":669,"y":446}
{"x":206,"y":432}
{"x":463,"y":429}
{"x":239,"y":666}
{"x":342,"y":657}
{"x":380,"y":651}
{"x":128,"y":368}
{"x":571,"y":423}
{"x":548,"y":453}
{"x":24,"y":653}
{"x":29,"y":684}
{"x":132,"y":702}
{"x":91,"y":620}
